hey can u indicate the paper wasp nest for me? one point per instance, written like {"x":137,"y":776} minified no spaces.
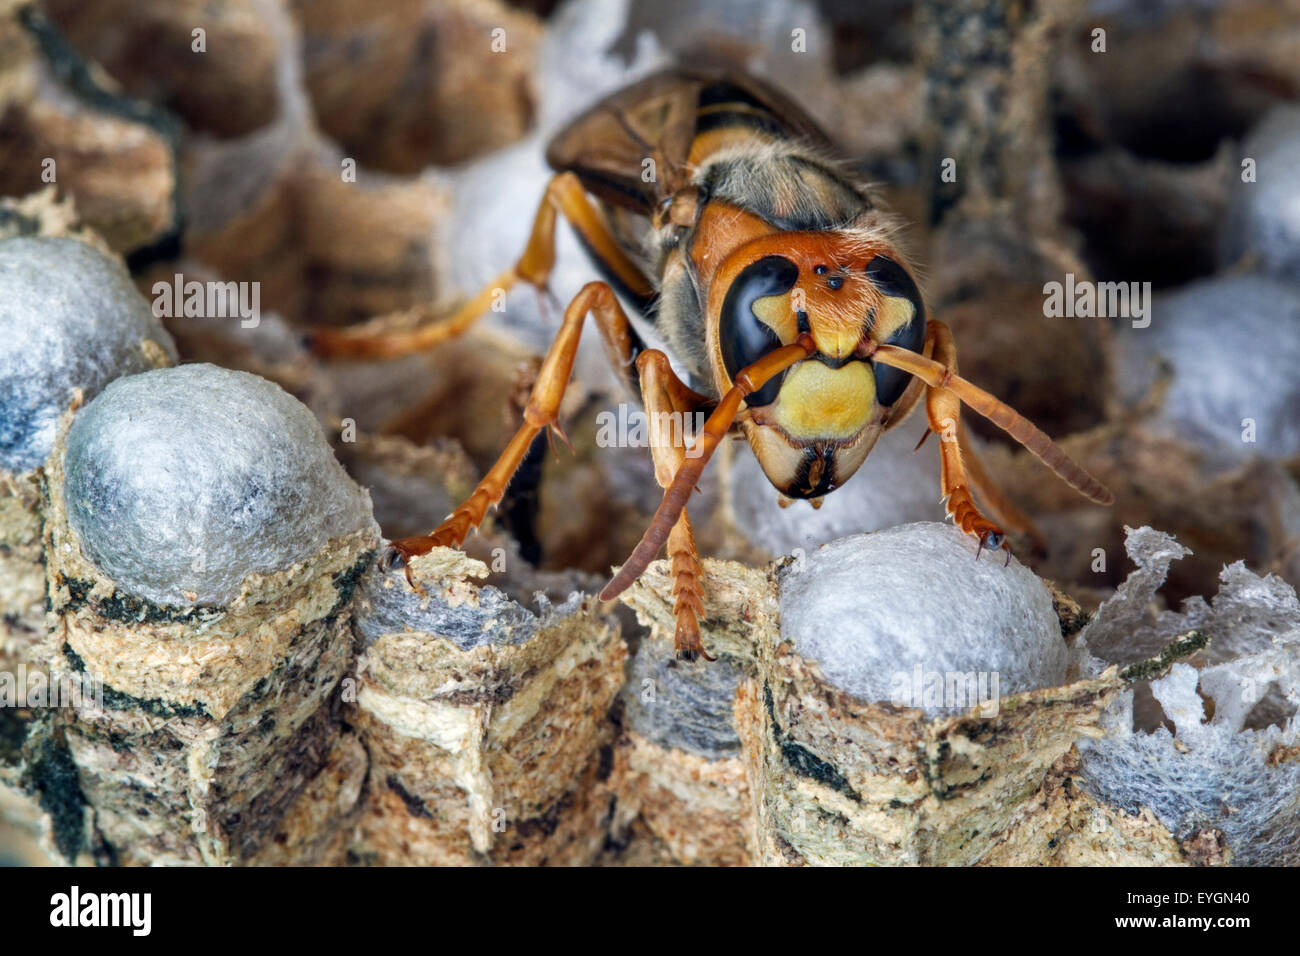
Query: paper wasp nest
{"x":485,"y":722}
{"x":72,"y":320}
{"x":202,"y":547}
{"x":828,"y":776}
{"x":682,"y":788}
{"x":873,"y":609}
{"x":271,"y":694}
{"x":1229,"y":395}
{"x":182,"y":482}
{"x":1263,"y":220}
{"x":1228,"y":766}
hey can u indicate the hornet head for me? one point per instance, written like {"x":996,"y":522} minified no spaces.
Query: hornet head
{"x":812,"y":426}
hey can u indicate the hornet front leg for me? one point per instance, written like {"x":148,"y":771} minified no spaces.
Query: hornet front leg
{"x":541,"y":412}
{"x":668,"y":405}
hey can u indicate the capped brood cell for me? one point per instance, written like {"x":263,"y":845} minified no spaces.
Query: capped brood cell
{"x":203,"y":545}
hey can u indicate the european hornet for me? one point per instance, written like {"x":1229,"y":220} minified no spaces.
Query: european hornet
{"x":775,"y":282}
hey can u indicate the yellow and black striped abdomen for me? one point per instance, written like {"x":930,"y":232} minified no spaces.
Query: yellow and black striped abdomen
{"x":637,"y":147}
{"x":728,"y":112}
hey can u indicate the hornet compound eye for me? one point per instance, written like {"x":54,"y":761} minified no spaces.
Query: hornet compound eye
{"x":899,"y":320}
{"x":745,"y":337}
